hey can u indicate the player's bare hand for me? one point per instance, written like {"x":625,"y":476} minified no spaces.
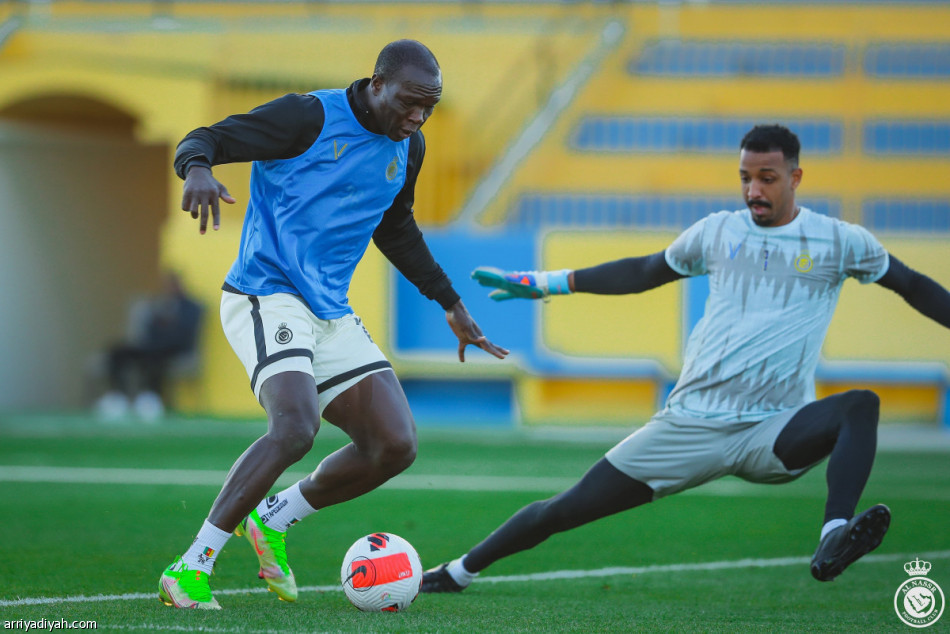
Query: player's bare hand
{"x":200,"y":197}
{"x":469,"y":333}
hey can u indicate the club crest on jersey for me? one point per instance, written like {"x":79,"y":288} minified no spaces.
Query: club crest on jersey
{"x":392,"y":168}
{"x":284,"y":334}
{"x":803,"y":263}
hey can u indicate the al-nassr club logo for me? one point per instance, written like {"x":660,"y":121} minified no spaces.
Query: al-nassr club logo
{"x":803,"y":263}
{"x":392,"y":168}
{"x":284,"y":334}
{"x":919,"y":601}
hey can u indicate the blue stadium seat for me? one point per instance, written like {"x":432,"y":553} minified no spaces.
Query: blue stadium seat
{"x":545,"y":209}
{"x":928,"y":61}
{"x":654,"y":134}
{"x":679,"y":58}
{"x":907,"y":137}
{"x":912,"y":215}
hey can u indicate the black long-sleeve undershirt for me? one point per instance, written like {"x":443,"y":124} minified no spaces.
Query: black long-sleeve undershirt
{"x":285,"y":128}
{"x":629,"y":275}
{"x":925,"y":295}
{"x":280,"y":129}
{"x":635,"y":275}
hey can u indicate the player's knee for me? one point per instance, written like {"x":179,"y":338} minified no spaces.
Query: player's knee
{"x":870,"y":402}
{"x":293,"y":443}
{"x":293,"y":429}
{"x":297,"y":442}
{"x":863,"y":407}
{"x":395,"y":454}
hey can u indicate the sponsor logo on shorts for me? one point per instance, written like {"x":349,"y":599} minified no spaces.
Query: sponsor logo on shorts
{"x":919,"y":601}
{"x":284,"y":334}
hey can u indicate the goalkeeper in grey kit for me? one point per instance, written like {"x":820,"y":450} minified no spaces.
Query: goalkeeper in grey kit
{"x":744,"y":404}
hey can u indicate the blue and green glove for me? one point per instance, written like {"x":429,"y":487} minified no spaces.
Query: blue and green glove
{"x":522,"y":284}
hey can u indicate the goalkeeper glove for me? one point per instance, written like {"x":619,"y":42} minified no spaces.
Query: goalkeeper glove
{"x":522,"y":284}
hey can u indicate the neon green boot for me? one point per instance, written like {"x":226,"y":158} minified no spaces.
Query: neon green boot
{"x":182,"y":587}
{"x":272,"y":555}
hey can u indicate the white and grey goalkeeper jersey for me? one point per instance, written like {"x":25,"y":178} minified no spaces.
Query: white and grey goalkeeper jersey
{"x":773,"y":291}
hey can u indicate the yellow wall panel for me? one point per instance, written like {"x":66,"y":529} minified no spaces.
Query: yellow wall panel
{"x":874,"y":323}
{"x":586,"y":402}
{"x":899,"y":403}
{"x":646,"y":325}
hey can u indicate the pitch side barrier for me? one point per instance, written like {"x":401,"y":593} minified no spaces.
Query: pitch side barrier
{"x":537,"y":382}
{"x":891,"y":374}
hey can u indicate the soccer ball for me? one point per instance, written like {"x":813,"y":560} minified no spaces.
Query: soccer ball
{"x":381,"y":573}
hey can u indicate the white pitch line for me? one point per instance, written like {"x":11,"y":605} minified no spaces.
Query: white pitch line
{"x":727,"y":487}
{"x":614,"y":571}
{"x":197,"y":477}
{"x":712,"y":565}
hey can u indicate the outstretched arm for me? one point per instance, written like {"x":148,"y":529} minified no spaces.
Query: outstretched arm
{"x":620,"y":277}
{"x":925,"y":295}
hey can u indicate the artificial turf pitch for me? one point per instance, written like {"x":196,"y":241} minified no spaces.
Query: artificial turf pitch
{"x":94,"y":509}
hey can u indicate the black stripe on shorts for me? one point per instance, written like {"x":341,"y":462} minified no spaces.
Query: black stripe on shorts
{"x":277,"y":356}
{"x":258,"y":331}
{"x":351,"y":374}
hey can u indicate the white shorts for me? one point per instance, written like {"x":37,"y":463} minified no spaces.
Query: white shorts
{"x":278,"y":333}
{"x":674,"y":453}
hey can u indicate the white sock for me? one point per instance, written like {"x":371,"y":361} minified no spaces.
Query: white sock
{"x":459,"y":573}
{"x":287,"y":507}
{"x":204,"y":550}
{"x":830,"y":526}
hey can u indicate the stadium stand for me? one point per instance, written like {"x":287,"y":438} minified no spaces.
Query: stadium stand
{"x":694,"y":59}
{"x":914,"y":215}
{"x":644,"y":144}
{"x":908,"y":61}
{"x":649,"y":146}
{"x":674,"y":135}
{"x":913,"y":138}
{"x":601,"y":209}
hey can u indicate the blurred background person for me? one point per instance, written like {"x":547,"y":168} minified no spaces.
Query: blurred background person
{"x":162,"y":332}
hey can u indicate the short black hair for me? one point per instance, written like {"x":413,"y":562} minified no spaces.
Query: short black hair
{"x":773,"y":138}
{"x":401,"y":53}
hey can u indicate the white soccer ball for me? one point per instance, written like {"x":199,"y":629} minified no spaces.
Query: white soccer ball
{"x":381,"y":573}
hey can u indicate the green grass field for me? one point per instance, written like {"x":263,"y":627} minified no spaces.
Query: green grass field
{"x":92,"y":509}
